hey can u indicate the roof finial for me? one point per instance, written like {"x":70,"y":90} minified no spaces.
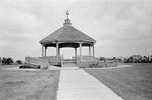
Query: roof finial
{"x":67,"y":21}
{"x":67,"y":13}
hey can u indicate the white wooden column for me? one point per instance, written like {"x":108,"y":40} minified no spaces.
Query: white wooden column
{"x":93,"y":50}
{"x":45,"y":51}
{"x":57,"y":51}
{"x":80,"y":51}
{"x":89,"y":51}
{"x":76,"y":54}
{"x":42,"y":51}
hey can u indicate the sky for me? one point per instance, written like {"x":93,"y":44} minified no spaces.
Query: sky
{"x":120,"y":27}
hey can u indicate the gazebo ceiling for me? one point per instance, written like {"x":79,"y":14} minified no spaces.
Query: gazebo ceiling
{"x":68,"y":36}
{"x":68,"y":44}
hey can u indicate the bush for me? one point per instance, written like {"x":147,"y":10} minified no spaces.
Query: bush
{"x":88,"y":64}
{"x":30,"y":66}
{"x":19,"y":62}
{"x":96,"y":64}
{"x":7,"y":61}
{"x":44,"y":67}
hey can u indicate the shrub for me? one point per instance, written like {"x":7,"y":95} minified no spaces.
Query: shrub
{"x":30,"y":66}
{"x":19,"y":62}
{"x":88,"y":64}
{"x":7,"y":61}
{"x":96,"y":64}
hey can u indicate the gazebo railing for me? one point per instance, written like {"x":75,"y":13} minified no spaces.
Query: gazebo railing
{"x":52,"y":60}
{"x":36,"y":61}
{"x":86,"y":58}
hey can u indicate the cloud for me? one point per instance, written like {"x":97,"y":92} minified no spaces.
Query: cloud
{"x":124,"y":24}
{"x":121,"y":27}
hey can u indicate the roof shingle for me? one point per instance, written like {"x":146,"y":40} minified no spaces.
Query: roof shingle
{"x":67,"y":33}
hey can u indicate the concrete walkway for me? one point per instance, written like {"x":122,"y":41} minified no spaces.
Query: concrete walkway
{"x":79,"y":85}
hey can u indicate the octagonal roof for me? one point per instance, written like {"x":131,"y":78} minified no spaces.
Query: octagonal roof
{"x":67,"y":33}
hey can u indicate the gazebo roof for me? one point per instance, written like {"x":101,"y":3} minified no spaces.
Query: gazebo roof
{"x":67,"y":33}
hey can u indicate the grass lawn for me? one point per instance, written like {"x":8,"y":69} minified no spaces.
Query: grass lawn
{"x":28,"y":85}
{"x":131,"y":83}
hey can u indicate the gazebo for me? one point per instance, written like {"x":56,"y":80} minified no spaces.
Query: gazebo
{"x":67,"y":36}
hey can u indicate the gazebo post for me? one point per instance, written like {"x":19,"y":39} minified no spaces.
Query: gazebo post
{"x":80,"y":51}
{"x":89,"y":51}
{"x":75,"y":54}
{"x":45,"y":51}
{"x":57,"y":49}
{"x":93,"y":50}
{"x":42,"y":50}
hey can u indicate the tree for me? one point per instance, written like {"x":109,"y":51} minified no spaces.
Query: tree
{"x":7,"y":61}
{"x":4,"y":60}
{"x":10,"y":61}
{"x":102,"y":58}
{"x":0,"y":60}
{"x":131,"y":59}
{"x":19,"y":62}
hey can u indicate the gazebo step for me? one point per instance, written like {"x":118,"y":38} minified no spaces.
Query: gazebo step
{"x":69,"y":64}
